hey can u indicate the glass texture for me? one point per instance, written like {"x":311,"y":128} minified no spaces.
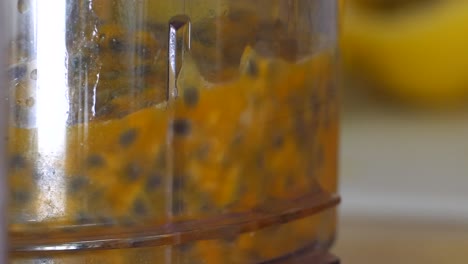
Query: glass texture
{"x":200,"y":131}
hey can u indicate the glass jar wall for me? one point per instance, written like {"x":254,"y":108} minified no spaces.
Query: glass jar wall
{"x":200,"y":131}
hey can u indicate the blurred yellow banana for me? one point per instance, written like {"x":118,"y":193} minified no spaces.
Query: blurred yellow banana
{"x":417,"y":54}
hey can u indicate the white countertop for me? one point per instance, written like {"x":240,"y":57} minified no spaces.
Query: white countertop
{"x":404,"y":183}
{"x":401,"y":163}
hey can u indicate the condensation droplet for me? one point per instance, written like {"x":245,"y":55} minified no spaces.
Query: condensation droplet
{"x":23,"y":6}
{"x":30,"y":102}
{"x":33,"y":74}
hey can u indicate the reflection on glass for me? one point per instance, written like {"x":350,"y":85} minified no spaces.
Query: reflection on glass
{"x":159,"y":123}
{"x":52,"y":108}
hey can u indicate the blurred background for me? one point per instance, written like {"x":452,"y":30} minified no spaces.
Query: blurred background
{"x":404,"y":147}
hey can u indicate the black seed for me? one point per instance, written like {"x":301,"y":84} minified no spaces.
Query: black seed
{"x":181,"y":127}
{"x":128,"y":137}
{"x":185,"y":247}
{"x":191,"y":96}
{"x":252,"y":68}
{"x":75,"y":62}
{"x":178,"y":183}
{"x":21,"y":196}
{"x":37,"y":175}
{"x":18,"y":162}
{"x":106,"y":220}
{"x":139,"y":207}
{"x":96,"y":194}
{"x":230,"y":237}
{"x":110,"y":75}
{"x":238,"y":139}
{"x":116,"y":45}
{"x":143,"y":70}
{"x":83,"y":218}
{"x":278,"y":141}
{"x":23,"y":115}
{"x":206,"y":203}
{"x":178,"y":206}
{"x":128,"y":221}
{"x":133,"y":171}
{"x":206,"y":208}
{"x":80,"y":61}
{"x":17,"y":72}
{"x":95,"y":161}
{"x":153,"y":182}
{"x":77,"y":184}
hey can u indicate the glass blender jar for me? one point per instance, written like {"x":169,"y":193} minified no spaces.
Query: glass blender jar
{"x":143,"y":131}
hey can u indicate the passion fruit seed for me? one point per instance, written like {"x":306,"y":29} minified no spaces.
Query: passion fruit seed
{"x":278,"y":141}
{"x":21,"y":196}
{"x":83,"y":218}
{"x":139,"y":208}
{"x":154,"y":181}
{"x":95,"y":161}
{"x":77,"y":184}
{"x":133,"y":171}
{"x":178,"y":183}
{"x":191,"y":96}
{"x":181,"y":127}
{"x":106,"y":220}
{"x":178,"y":206}
{"x":17,"y":72}
{"x":18,"y":162}
{"x":185,"y":247}
{"x":128,"y":137}
{"x":116,"y":45}
{"x":143,"y":70}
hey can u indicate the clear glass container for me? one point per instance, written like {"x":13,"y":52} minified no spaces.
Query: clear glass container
{"x":144,"y":131}
{"x":3,"y":133}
